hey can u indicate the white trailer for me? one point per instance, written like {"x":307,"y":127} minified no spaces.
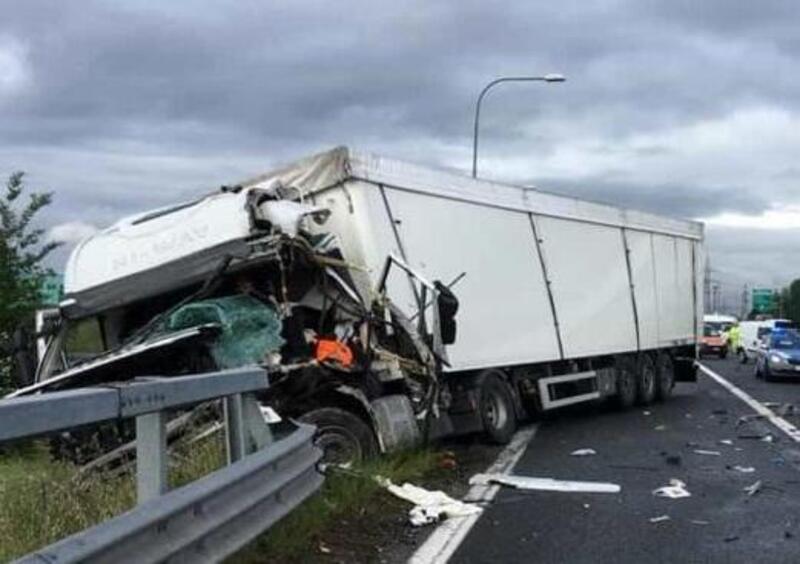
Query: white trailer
{"x":552,"y":289}
{"x":561,"y":300}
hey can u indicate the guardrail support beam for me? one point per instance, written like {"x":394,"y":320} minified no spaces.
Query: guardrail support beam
{"x":151,"y":456}
{"x":235,"y":439}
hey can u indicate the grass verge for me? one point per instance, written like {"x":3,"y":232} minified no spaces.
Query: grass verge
{"x":344,"y":499}
{"x":42,"y":501}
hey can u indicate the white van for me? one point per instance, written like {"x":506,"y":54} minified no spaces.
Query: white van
{"x":754,"y":331}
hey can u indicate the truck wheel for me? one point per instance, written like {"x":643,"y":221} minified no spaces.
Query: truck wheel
{"x":665,"y":376}
{"x":645,"y":380}
{"x":626,"y":384}
{"x":343,"y":437}
{"x":497,"y":410}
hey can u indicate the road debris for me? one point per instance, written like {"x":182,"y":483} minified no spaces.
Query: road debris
{"x":660,"y":428}
{"x":645,"y":413}
{"x":708,"y":452}
{"x":659,"y":519}
{"x":726,"y":442}
{"x":675,"y":490}
{"x":768,"y":438}
{"x":731,"y":538}
{"x":744,"y":469}
{"x":753,"y":488}
{"x":429,"y":506}
{"x":544,"y":484}
{"x":583,"y":452}
{"x":699,"y":522}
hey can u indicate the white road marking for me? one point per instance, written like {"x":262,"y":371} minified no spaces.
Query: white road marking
{"x":781,"y":423}
{"x":447,"y":537}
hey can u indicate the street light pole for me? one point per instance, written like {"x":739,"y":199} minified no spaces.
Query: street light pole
{"x":545,"y":78}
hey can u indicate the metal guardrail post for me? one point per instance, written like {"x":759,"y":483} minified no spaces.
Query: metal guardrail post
{"x":151,"y":456}
{"x":234,"y":428}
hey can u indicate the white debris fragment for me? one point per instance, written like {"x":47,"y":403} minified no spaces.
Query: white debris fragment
{"x":645,"y":413}
{"x":708,"y":452}
{"x":544,"y":484}
{"x":659,"y":519}
{"x":699,"y":522}
{"x":753,"y":488}
{"x":768,"y":438}
{"x":726,"y":442}
{"x":583,"y":452}
{"x":660,"y":428}
{"x":429,"y":506}
{"x":676,"y":489}
{"x":744,"y":469}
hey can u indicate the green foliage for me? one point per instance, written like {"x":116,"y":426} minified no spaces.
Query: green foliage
{"x":791,"y":301}
{"x":22,"y":250}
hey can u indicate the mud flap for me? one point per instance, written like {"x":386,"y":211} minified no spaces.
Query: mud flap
{"x":685,"y":369}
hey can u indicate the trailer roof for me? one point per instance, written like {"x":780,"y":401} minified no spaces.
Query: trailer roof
{"x":324,"y":170}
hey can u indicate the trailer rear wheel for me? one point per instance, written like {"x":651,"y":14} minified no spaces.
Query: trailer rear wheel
{"x":665,"y":376}
{"x":626,"y":383}
{"x":497,"y":410}
{"x":646,"y":380}
{"x":343,"y":437}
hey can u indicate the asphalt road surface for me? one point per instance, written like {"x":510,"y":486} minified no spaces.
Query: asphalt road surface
{"x":641,"y":450}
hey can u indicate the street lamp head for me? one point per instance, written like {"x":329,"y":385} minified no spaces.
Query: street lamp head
{"x":554,"y":77}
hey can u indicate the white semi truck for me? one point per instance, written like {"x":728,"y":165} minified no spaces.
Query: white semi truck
{"x":540,"y":300}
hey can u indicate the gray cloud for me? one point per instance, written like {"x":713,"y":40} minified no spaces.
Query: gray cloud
{"x":132,"y":104}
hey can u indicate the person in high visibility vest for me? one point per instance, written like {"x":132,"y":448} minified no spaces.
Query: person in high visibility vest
{"x":735,"y":339}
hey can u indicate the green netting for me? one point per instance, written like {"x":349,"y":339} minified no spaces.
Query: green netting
{"x":250,"y":329}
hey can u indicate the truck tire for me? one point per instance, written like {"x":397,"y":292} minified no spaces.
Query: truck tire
{"x":497,"y":412}
{"x":665,"y":376}
{"x":343,"y":437}
{"x":626,"y":383}
{"x":646,"y":380}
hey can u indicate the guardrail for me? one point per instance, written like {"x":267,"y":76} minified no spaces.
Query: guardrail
{"x":205,"y":520}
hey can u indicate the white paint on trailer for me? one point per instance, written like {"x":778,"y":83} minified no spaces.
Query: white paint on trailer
{"x":505,"y":316}
{"x":644,"y":286}
{"x":445,"y":540}
{"x":790,"y":430}
{"x":586,"y":264}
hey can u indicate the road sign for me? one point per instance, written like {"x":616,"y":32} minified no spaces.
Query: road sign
{"x":764,"y":300}
{"x":51,"y":290}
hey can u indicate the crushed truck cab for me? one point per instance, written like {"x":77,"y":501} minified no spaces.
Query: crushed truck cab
{"x":389,"y":302}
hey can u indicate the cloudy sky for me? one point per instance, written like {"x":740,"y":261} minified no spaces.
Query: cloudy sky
{"x":681,"y":107}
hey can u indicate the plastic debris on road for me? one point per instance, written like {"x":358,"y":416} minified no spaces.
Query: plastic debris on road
{"x":659,"y":519}
{"x":544,"y":484}
{"x":675,"y":490}
{"x":744,"y":469}
{"x":768,"y":438}
{"x":707,"y":452}
{"x":726,"y":442}
{"x":429,"y":506}
{"x":583,"y":452}
{"x":753,"y":488}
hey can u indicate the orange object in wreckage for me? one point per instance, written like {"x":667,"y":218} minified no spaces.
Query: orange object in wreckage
{"x":332,"y":349}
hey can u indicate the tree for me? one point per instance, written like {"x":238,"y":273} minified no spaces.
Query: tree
{"x":22,"y":251}
{"x":792,"y":307}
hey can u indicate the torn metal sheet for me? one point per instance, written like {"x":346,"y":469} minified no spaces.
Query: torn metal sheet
{"x":429,"y":506}
{"x":675,"y":490}
{"x":544,"y":484}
